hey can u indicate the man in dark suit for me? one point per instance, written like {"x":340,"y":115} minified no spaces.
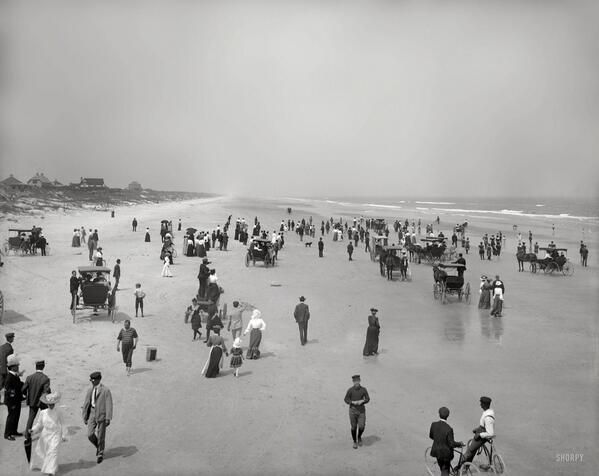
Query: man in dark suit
{"x":203,"y":278}
{"x":5,"y":350}
{"x":12,"y":398}
{"x":36,"y":385}
{"x":302,"y":315}
{"x":320,"y":248}
{"x":443,"y":443}
{"x":97,"y":413}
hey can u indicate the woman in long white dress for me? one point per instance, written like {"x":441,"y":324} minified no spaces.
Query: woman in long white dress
{"x":166,"y":269}
{"x":52,"y":432}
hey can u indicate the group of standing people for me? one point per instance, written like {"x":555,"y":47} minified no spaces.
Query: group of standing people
{"x":491,"y":295}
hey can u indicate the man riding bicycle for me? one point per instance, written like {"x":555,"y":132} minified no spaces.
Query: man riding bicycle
{"x":484,"y":432}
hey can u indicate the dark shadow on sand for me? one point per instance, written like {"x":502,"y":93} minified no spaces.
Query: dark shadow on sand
{"x":122,"y":451}
{"x":313,"y":341}
{"x":80,"y":465}
{"x":370,"y":440}
{"x":139,"y":371}
{"x":11,"y":317}
{"x":265,"y":355}
{"x":73,"y":430}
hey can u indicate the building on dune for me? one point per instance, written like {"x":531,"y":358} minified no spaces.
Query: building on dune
{"x":14,"y":184}
{"x":135,"y":187}
{"x":87,"y":182}
{"x":39,"y":180}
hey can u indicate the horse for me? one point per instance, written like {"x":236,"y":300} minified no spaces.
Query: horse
{"x":523,"y":257}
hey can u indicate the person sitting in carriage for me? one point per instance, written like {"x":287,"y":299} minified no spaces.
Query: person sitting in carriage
{"x":461,"y":260}
{"x":561,"y":260}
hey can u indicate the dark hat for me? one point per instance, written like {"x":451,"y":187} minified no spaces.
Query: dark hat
{"x":205,"y":260}
{"x":95,"y":375}
{"x":374,"y":309}
{"x":302,"y":298}
{"x":9,"y":335}
{"x":40,"y":362}
{"x":485,"y":400}
{"x":355,"y":378}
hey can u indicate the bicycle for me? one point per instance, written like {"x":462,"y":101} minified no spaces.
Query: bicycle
{"x":465,"y":469}
{"x":488,"y":459}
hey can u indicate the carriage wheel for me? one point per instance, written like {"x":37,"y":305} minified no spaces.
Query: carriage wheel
{"x":467,"y":293}
{"x":247,"y":259}
{"x":436,"y":291}
{"x":74,"y":313}
{"x":549,"y":268}
{"x":443,"y":294}
{"x":498,"y":464}
{"x":568,"y":269}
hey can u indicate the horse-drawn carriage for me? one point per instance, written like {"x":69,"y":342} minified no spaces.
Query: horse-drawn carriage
{"x":95,"y":292}
{"x":432,"y":250}
{"x":399,"y":262}
{"x":260,"y":249}
{"x":450,"y":284}
{"x":555,"y":260}
{"x":377,"y":242}
{"x":26,"y":241}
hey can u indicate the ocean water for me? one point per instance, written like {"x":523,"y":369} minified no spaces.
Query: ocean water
{"x":547,"y":208}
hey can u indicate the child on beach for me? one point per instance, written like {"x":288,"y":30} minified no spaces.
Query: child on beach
{"x":166,"y":269}
{"x":236,"y":356}
{"x":139,"y":299}
{"x":196,"y":320}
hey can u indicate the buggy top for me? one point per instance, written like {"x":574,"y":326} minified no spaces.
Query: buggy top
{"x":93,"y":269}
{"x":434,"y":239}
{"x":263,"y":241}
{"x":393,"y":248}
{"x":28,"y":230}
{"x":452,"y":265}
{"x":550,"y":248}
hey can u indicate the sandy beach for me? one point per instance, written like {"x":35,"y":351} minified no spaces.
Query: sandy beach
{"x":285,"y":414}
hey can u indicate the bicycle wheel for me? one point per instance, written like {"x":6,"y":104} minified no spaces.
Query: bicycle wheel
{"x":468,"y":469}
{"x":498,"y":464}
{"x":482,"y":459}
{"x":432,"y":468}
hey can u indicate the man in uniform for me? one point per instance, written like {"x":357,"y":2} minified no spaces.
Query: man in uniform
{"x":356,"y":397}
{"x":302,"y":315}
{"x":5,"y":350}
{"x":13,"y":398}
{"x":97,"y":413}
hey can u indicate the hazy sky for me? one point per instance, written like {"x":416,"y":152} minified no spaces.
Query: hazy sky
{"x":304,"y":97}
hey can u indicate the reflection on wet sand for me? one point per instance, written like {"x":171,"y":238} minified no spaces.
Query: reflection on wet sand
{"x":491,"y":328}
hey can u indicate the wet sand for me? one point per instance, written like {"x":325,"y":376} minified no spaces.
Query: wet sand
{"x":285,"y":413}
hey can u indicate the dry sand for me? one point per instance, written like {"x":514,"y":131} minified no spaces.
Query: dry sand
{"x":285,"y":414}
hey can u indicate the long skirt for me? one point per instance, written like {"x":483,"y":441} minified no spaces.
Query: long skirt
{"x":190,"y":250}
{"x":372,"y":341}
{"x":484,"y":301}
{"x":214,"y":362}
{"x":497,"y":306}
{"x":147,"y":238}
{"x":76,"y":242}
{"x":254,"y":347}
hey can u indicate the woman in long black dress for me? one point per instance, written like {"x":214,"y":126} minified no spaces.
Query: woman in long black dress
{"x":215,"y":358}
{"x":371,"y":347}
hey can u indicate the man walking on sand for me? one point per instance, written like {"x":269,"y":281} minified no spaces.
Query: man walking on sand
{"x":128,"y":337}
{"x":320,"y":248}
{"x":116,"y":274}
{"x":97,"y":413}
{"x":356,"y":397}
{"x":302,"y":315}
{"x":350,"y":250}
{"x":236,"y":318}
{"x":134,"y":224}
{"x":203,"y":276}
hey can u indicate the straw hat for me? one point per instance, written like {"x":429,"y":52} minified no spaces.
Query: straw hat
{"x":50,"y":398}
{"x":237,"y":342}
{"x":12,"y":360}
{"x":256,"y":314}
